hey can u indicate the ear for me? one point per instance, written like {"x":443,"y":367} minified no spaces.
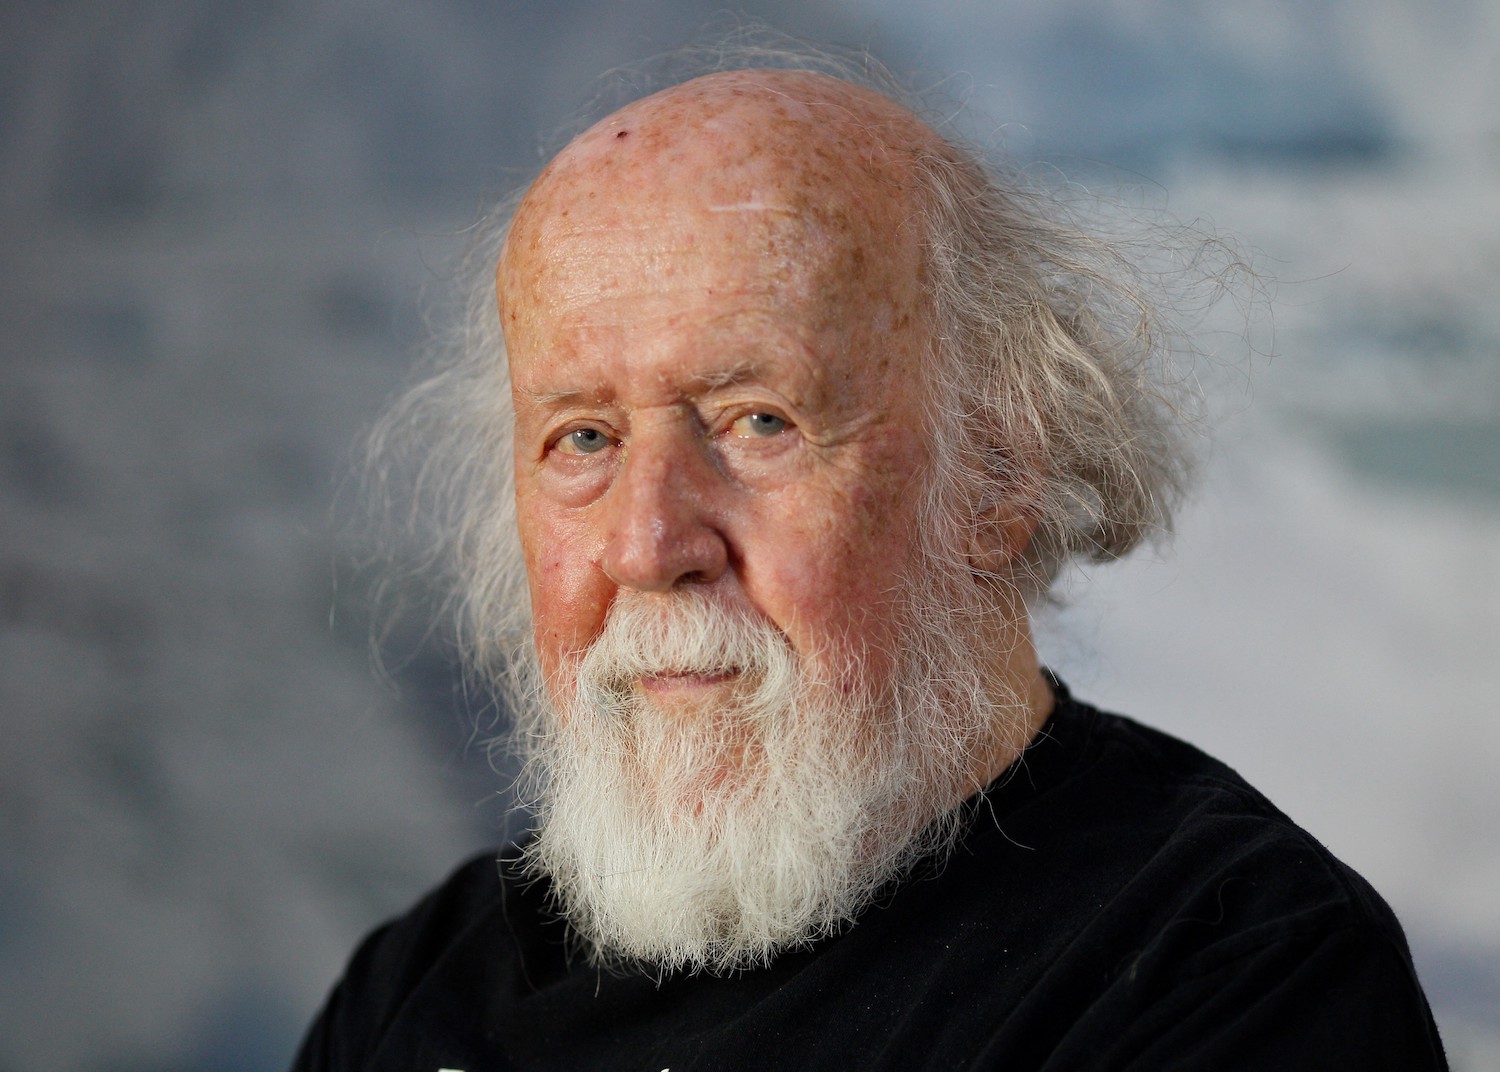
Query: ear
{"x":999,"y":537}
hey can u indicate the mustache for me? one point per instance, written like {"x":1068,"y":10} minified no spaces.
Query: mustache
{"x":682,"y":633}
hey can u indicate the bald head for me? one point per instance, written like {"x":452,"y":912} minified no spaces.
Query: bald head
{"x":802,"y":170}
{"x":734,"y":129}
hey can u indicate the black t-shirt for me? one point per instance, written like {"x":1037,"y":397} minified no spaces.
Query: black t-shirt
{"x":1118,"y":900}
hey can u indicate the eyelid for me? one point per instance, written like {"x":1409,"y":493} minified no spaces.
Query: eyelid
{"x":736,"y":411}
{"x":749,"y":417}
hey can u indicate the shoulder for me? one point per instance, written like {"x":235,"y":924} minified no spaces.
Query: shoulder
{"x":1143,"y":788}
{"x":397,"y":955}
{"x":1142,"y":813}
{"x":394,"y":960}
{"x":1199,"y":819}
{"x":1191,"y":914}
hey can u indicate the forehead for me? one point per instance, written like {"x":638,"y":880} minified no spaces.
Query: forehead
{"x":700,"y":301}
{"x":726,"y":258}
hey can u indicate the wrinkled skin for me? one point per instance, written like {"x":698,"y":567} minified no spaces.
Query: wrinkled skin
{"x":714,"y":314}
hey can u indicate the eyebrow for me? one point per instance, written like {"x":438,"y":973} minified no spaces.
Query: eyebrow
{"x":737,"y":373}
{"x":552,"y":398}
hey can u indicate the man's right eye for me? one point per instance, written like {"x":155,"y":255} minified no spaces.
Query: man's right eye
{"x":583,"y":441}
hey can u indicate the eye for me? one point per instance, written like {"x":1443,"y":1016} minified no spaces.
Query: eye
{"x":583,"y":441}
{"x":759,"y":425}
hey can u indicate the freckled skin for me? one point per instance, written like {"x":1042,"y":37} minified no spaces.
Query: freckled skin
{"x":736,"y":246}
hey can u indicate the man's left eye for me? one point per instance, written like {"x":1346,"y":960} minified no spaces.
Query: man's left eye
{"x":760,"y":425}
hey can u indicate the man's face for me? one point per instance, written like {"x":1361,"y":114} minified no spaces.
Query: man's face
{"x":715,"y":369}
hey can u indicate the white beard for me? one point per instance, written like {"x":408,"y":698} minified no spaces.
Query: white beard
{"x":714,"y":839}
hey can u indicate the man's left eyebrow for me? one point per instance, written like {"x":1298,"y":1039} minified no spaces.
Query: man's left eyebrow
{"x":742,"y":372}
{"x":779,"y":372}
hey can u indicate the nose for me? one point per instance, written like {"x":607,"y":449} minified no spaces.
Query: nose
{"x":661,"y":533}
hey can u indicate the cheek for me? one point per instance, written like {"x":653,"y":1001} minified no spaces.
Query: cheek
{"x":569,"y":597}
{"x":832,"y":583}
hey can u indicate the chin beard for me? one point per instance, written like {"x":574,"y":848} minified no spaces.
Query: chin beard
{"x":713,"y":837}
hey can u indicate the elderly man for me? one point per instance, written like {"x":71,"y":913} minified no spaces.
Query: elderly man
{"x":806,"y":407}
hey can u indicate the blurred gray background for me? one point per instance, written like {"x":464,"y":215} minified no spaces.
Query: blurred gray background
{"x":218,"y":224}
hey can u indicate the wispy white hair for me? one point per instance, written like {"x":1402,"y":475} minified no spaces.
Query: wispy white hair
{"x":1052,"y":393}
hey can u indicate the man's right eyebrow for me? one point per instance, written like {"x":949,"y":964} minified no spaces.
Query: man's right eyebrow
{"x":558,"y":398}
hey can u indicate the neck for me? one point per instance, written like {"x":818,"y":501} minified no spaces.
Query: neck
{"x":1017,"y":673}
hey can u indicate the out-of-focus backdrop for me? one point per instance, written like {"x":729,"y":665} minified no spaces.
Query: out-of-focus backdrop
{"x":216,"y":225}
